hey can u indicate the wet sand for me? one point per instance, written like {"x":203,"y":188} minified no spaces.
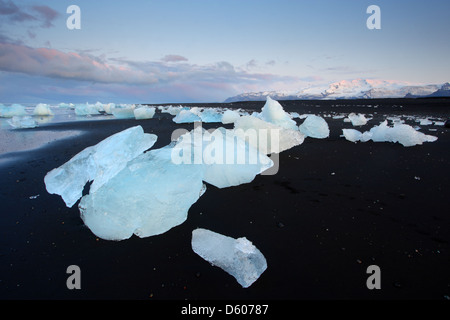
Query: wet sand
{"x":333,"y":209}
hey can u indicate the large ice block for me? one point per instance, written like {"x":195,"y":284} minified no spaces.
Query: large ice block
{"x":98,"y":163}
{"x":148,"y":197}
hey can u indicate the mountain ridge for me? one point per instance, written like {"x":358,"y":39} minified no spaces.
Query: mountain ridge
{"x":352,"y":89}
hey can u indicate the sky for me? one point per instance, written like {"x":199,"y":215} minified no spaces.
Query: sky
{"x":155,"y":51}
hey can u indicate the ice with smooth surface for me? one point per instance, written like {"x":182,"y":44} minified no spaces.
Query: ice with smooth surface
{"x":144,"y":112}
{"x":270,"y":137}
{"x":209,"y":115}
{"x":274,"y":113}
{"x":238,"y":257}
{"x":357,"y":119}
{"x":148,"y":197}
{"x":22,"y":122}
{"x":315,"y":127}
{"x":401,"y":133}
{"x":226,"y":159}
{"x":123,"y":111}
{"x":230,"y":116}
{"x":186,"y":116}
{"x":98,"y":163}
{"x":12,"y":110}
{"x":352,"y":135}
{"x":86,"y":109}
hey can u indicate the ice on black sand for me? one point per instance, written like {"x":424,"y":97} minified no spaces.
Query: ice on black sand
{"x":238,"y":257}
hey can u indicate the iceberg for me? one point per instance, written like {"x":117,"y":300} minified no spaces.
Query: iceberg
{"x":401,"y":133}
{"x":148,"y":197}
{"x":357,"y":119}
{"x":13,"y":110}
{"x":230,"y":116}
{"x":98,"y":163}
{"x":42,"y":109}
{"x":274,"y":113}
{"x":144,"y":112}
{"x":267,"y":137}
{"x":238,"y":257}
{"x":22,"y":122}
{"x":315,"y":127}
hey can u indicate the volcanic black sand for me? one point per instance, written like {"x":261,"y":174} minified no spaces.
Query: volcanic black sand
{"x":333,"y":209}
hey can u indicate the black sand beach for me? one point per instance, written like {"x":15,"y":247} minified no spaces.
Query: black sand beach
{"x":333,"y":209}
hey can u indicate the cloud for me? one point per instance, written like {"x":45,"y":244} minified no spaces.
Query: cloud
{"x":11,"y":13}
{"x":163,"y":80}
{"x":173,"y":58}
{"x":57,"y":64}
{"x":47,"y":14}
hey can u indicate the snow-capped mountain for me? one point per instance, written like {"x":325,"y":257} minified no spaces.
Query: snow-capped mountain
{"x":350,"y":89}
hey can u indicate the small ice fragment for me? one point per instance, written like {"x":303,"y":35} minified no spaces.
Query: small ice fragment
{"x":315,"y":127}
{"x":230,"y":116}
{"x":123,"y":111}
{"x":357,"y":119}
{"x":417,"y":178}
{"x":424,"y":122}
{"x":186,"y":116}
{"x":34,"y":197}
{"x":238,"y":257}
{"x":352,"y":135}
{"x":210,"y":115}
{"x":86,"y":109}
{"x":144,"y":112}
{"x":401,"y":133}
{"x":42,"y":109}
{"x":22,"y":122}
{"x":13,"y":110}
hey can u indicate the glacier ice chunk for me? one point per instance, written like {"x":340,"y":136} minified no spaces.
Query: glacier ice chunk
{"x":22,"y":122}
{"x":123,"y":111}
{"x":315,"y":127}
{"x":226,"y":159}
{"x":274,"y":113}
{"x":210,"y":115}
{"x":238,"y":257}
{"x":98,"y":163}
{"x":144,"y":112}
{"x":270,"y":138}
{"x":12,"y":110}
{"x":230,"y":116}
{"x":357,"y":119}
{"x":42,"y":109}
{"x":148,"y":197}
{"x":352,"y":135}
{"x":401,"y":133}
{"x":86,"y":109}
{"x":186,"y":116}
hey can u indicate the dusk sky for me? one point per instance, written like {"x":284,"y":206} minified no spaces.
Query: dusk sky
{"x":145,"y":51}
